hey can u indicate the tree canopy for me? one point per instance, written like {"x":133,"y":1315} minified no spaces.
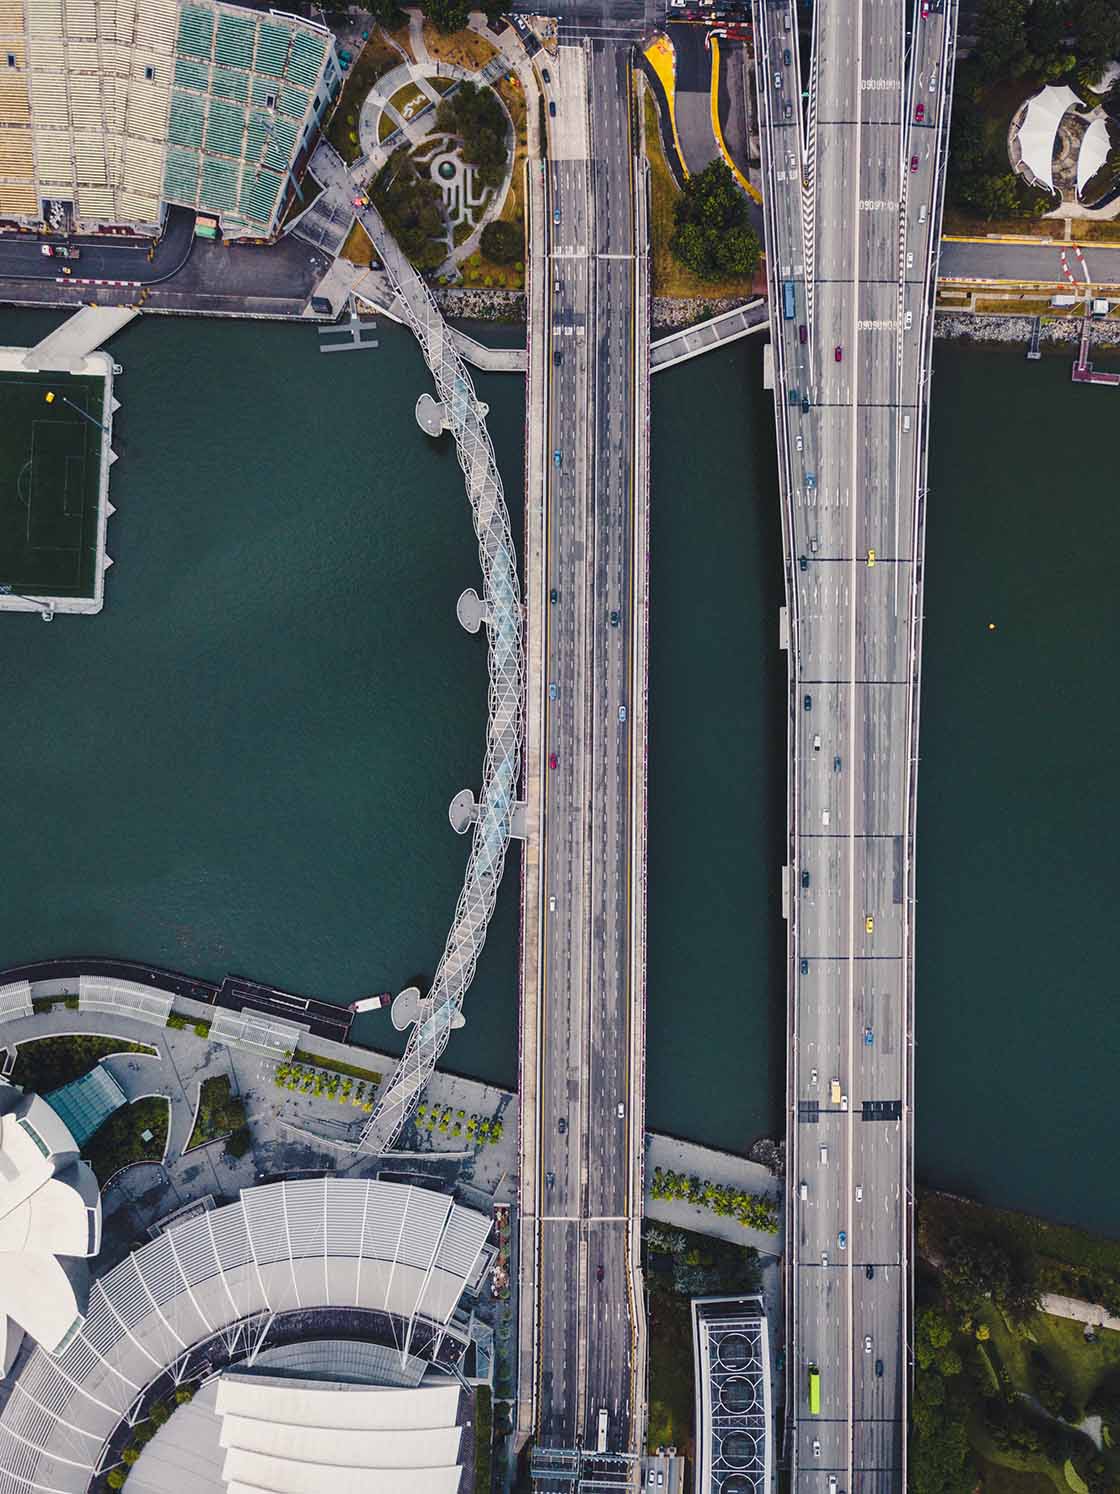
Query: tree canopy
{"x":447,"y":15}
{"x":412,"y":206}
{"x":501,"y":242}
{"x":478,"y":119}
{"x":713,"y":236}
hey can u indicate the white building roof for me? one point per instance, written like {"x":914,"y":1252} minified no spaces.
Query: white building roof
{"x":1093,"y":153}
{"x":50,"y":1221}
{"x":1040,"y":126}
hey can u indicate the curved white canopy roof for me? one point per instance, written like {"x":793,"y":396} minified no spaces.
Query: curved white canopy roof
{"x":1040,"y":126}
{"x":1093,"y":153}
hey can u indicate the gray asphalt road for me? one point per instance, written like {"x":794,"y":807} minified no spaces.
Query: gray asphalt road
{"x":996,"y":261}
{"x":855,"y":247}
{"x":585,"y":1316}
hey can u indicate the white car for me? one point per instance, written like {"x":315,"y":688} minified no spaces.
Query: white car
{"x":816,"y":1447}
{"x":552,"y":905}
{"x":867,"y":1343}
{"x":859,"y":1193}
{"x":800,"y":443}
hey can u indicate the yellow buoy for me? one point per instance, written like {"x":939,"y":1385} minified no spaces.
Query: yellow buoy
{"x":991,"y":627}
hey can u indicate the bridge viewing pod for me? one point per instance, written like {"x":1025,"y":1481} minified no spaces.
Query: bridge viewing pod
{"x":283,"y":1247}
{"x":465,"y":416}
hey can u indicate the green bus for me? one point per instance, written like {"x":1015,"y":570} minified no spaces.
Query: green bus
{"x":814,"y":1390}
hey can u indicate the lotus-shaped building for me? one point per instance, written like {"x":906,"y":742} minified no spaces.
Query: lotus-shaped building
{"x":50,"y":1225}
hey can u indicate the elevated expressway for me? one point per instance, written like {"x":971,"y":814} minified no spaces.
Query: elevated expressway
{"x":581,"y":1334}
{"x":853,"y":189}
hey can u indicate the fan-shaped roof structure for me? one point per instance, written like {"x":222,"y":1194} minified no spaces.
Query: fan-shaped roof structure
{"x":50,"y":1222}
{"x":1039,"y":128}
{"x":1093,"y":153}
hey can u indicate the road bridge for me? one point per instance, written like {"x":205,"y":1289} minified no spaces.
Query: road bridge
{"x":581,"y":1332}
{"x":853,"y":183}
{"x":701,"y":337}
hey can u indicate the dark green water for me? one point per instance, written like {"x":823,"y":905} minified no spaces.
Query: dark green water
{"x":245,"y":762}
{"x":1017,"y":1018}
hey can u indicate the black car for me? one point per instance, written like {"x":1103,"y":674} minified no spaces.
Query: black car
{"x":614,"y":617}
{"x":599,"y":1272}
{"x":563,"y":1125}
{"x":552,"y":108}
{"x":803,"y":562}
{"x":805,"y":405}
{"x":836,"y":765}
{"x":808,"y":702}
{"x":554,"y":596}
{"x":546,"y":75}
{"x":804,"y":879}
{"x":870,"y":1272}
{"x":557,"y":357}
{"x":879,"y":1368}
{"x":804,"y":967}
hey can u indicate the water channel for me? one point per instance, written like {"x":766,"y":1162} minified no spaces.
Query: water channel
{"x":245,"y":762}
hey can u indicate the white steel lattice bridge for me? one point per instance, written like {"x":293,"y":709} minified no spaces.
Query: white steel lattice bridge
{"x":464,"y":416}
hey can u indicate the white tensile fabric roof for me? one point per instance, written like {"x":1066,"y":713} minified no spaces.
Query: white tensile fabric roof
{"x":1040,"y":125}
{"x":1093,"y":153}
{"x":306,"y":1437}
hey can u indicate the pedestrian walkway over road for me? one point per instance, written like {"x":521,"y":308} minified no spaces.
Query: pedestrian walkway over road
{"x":492,"y":360}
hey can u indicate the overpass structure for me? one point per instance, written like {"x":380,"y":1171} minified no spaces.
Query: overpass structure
{"x":854,"y":155}
{"x":581,"y":1391}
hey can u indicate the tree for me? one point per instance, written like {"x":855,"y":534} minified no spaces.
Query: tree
{"x":477,"y":118}
{"x":1001,"y":39}
{"x":447,"y":15}
{"x":412,"y":207}
{"x":501,"y":241}
{"x":713,"y":236}
{"x":1097,"y":27}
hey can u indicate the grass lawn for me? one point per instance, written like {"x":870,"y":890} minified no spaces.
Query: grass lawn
{"x":464,"y":48}
{"x":358,"y":248}
{"x":120,"y":1140}
{"x":376,"y":59}
{"x":669,"y":276}
{"x":479,"y":268}
{"x":410,"y":100}
{"x":670,"y":1372}
{"x":355,"y":1071}
{"x":1078,"y":1364}
{"x":43,"y":1064}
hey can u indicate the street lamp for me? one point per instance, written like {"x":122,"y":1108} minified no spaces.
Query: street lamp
{"x":50,"y":397}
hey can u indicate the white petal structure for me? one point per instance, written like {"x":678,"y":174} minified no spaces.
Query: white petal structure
{"x":50,"y":1224}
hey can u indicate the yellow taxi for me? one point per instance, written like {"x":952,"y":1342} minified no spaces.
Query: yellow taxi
{"x":871,"y":557}
{"x":869,"y":924}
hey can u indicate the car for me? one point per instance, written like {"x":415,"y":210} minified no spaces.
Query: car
{"x":799,"y":441}
{"x":553,"y":760}
{"x":549,"y":1178}
{"x":867,"y":1343}
{"x":908,"y":320}
{"x":836,"y":764}
{"x":552,"y":905}
{"x":812,"y":1076}
{"x":622,"y":713}
{"x":925,"y":10}
{"x":546,"y":75}
{"x":816,"y":1447}
{"x":869,"y":1272}
{"x":920,"y":113}
{"x":554,"y":596}
{"x":803,"y":333}
{"x":553,"y":691}
{"x":933,"y":79}
{"x":805,"y":405}
{"x":909,"y":261}
{"x":621,"y":1110}
{"x":869,"y":923}
{"x":871,"y":558}
{"x":824,"y":1257}
{"x":557,"y":458}
{"x":804,"y":967}
{"x":804,"y":879}
{"x":859,"y":1193}
{"x":777,"y":78}
{"x":660,"y":1479}
{"x":552,"y":108}
{"x":838,"y":353}
{"x":842,"y":1239}
{"x":562,"y":1124}
{"x":787,"y":57}
{"x":808,"y":702}
{"x":913,"y":163}
{"x":615,"y":617}
{"x":557,"y":357}
{"x":810,"y":480}
{"x":879,"y":1369}
{"x":803,"y":562}
{"x":817,"y":742}
{"x":651,"y":1475}
{"x":556,"y":215}
{"x":868,"y":1037}
{"x":599,"y":1272}
{"x":787,"y":108}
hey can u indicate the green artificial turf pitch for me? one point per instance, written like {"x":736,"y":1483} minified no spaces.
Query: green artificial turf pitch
{"x":50,"y":470}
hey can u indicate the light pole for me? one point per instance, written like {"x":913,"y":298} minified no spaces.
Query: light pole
{"x":50,"y":397}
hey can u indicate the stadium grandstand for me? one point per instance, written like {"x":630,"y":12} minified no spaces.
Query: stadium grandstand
{"x":112,"y":109}
{"x":206,"y":1292}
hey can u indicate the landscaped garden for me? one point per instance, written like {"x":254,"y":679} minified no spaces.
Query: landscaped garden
{"x":347,"y":1084}
{"x":135,"y":1133}
{"x":221,"y":1113}
{"x":752,"y":1210}
{"x":475,"y":1130}
{"x":377,"y":57}
{"x":43,"y":1064}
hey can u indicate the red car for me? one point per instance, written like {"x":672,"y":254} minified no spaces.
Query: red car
{"x":913,"y":163}
{"x":925,"y":10}
{"x":553,"y":760}
{"x":838,"y":352}
{"x":920,"y":113}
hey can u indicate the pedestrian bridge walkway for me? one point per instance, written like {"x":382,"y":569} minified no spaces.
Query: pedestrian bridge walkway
{"x":66,"y":348}
{"x":690,"y":342}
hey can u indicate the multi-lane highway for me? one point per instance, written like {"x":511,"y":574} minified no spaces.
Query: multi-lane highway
{"x":854,"y":142}
{"x":589,"y":1102}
